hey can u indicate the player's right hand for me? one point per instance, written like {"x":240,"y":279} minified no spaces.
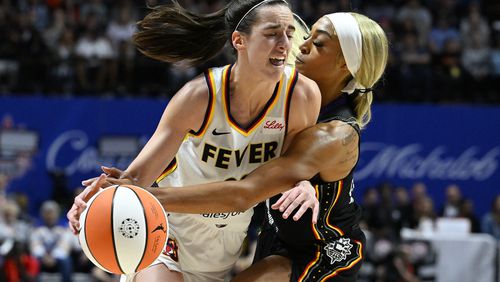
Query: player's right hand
{"x":303,"y":195}
{"x":80,"y":202}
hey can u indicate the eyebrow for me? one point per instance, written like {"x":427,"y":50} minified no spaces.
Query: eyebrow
{"x":324,"y":32}
{"x":276,"y":26}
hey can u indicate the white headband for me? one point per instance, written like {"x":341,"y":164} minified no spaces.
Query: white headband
{"x":253,"y":8}
{"x":349,"y":35}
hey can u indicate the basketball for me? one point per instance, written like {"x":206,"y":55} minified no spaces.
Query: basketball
{"x":123,"y":229}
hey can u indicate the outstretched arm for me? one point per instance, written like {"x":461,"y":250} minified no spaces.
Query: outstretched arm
{"x":174,"y":124}
{"x":329,"y":149}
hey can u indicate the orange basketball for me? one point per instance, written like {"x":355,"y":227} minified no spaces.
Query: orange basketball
{"x":123,"y":229}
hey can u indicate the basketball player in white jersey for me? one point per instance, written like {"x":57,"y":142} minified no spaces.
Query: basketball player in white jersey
{"x":219,"y":126}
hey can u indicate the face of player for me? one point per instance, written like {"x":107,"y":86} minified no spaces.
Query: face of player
{"x":321,"y":56}
{"x":268,"y":44}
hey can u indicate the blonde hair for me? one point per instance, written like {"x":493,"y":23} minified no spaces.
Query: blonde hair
{"x":374,"y":53}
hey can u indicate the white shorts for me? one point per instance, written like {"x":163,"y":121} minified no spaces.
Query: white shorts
{"x":202,"y":252}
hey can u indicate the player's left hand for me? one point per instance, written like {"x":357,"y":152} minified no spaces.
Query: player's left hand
{"x":114,"y":176}
{"x":302,"y":194}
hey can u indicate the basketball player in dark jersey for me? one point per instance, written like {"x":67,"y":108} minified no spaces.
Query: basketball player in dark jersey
{"x":345,"y":54}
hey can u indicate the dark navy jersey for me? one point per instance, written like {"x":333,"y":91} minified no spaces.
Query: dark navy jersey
{"x":339,"y":214}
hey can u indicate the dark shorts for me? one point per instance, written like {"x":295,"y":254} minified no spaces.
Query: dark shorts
{"x":338,"y":260}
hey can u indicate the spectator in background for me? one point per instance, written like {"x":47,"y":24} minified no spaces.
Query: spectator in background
{"x":37,"y":11}
{"x":467,"y":211}
{"x":63,"y":71}
{"x":16,"y":263}
{"x":11,"y":227}
{"x":403,"y":210}
{"x":308,"y":12}
{"x":476,"y":61}
{"x":51,"y":243}
{"x":33,"y":55}
{"x":440,"y":34}
{"x":52,"y":34}
{"x":476,"y":55}
{"x":94,"y":54}
{"x":3,"y":190}
{"x":9,"y":64}
{"x":120,"y":31}
{"x":380,"y":10}
{"x":474,"y":25}
{"x":495,"y":69}
{"x":385,"y":210}
{"x":415,"y":69}
{"x":419,"y":16}
{"x":370,"y":204}
{"x":491,"y":221}
{"x":451,"y":81}
{"x":400,"y":267}
{"x":425,"y":215}
{"x":418,"y":192}
{"x":453,"y":202}
{"x":94,"y":9}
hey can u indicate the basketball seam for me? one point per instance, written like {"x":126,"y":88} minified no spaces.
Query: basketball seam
{"x":113,"y":230}
{"x":147,"y":230}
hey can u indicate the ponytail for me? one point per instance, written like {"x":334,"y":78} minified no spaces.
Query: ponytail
{"x":375,"y":54}
{"x":172,"y":34}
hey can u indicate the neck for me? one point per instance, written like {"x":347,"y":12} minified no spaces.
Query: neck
{"x":249,"y":87}
{"x":331,"y":90}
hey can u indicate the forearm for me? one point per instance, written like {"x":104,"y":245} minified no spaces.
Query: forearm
{"x":205,"y":198}
{"x":228,"y":196}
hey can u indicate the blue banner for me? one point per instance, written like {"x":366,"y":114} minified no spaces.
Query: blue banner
{"x":69,"y":133}
{"x":436,"y":145}
{"x":403,"y":144}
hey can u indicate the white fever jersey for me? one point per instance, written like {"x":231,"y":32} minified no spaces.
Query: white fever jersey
{"x":224,"y":150}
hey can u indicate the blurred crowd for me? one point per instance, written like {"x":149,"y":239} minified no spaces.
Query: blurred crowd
{"x":442,"y":51}
{"x":388,"y":210}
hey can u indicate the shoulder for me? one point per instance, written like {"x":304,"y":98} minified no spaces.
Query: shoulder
{"x":333,"y":130}
{"x":338,"y":132}
{"x":328,"y":141}
{"x":306,"y":89}
{"x":306,"y":99}
{"x":188,"y":106}
{"x":194,"y":93}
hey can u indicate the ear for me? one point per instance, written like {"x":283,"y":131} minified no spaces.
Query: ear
{"x":341,"y":62}
{"x":238,"y":40}
{"x":343,"y":66}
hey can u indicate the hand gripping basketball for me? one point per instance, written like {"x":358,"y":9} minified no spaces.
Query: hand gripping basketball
{"x":123,"y":229}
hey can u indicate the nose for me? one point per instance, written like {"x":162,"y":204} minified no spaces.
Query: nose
{"x":284,"y":44}
{"x":304,"y":47}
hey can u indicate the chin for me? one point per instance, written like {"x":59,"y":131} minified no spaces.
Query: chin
{"x":276,"y":72}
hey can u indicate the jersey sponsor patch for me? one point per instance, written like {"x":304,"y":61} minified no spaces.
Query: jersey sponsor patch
{"x":339,"y":249}
{"x":273,"y":125}
{"x":222,"y":215}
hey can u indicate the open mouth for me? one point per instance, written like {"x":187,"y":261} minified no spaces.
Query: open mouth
{"x":277,"y":61}
{"x":298,"y":60}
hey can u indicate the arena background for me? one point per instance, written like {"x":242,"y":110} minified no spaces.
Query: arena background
{"x":75,"y":94}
